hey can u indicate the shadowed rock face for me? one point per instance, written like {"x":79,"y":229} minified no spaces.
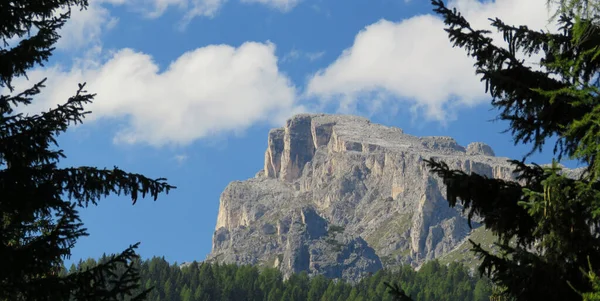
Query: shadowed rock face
{"x":343,"y":197}
{"x":274,"y":152}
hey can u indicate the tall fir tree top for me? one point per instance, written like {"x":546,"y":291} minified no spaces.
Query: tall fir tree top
{"x":548,"y":224}
{"x":39,"y":201}
{"x":18,"y":19}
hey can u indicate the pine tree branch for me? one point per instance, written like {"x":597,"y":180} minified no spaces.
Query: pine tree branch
{"x":7,"y":102}
{"x":89,"y":184}
{"x":514,"y":87}
{"x":17,"y":19}
{"x":522,"y":273}
{"x":490,"y":199}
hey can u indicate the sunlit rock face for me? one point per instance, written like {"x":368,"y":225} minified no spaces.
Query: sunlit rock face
{"x":343,"y":197}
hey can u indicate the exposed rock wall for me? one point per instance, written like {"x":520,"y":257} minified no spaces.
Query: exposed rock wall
{"x":343,"y":197}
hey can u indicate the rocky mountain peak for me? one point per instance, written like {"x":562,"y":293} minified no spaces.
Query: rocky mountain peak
{"x":341,"y":196}
{"x":479,"y":148}
{"x":292,"y":146}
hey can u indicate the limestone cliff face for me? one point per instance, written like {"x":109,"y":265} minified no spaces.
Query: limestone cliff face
{"x":343,"y":197}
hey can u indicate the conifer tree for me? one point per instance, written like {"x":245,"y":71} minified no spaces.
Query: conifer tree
{"x":547,"y":222}
{"x":39,"y":201}
{"x":581,"y":8}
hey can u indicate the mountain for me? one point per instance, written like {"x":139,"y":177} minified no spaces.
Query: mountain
{"x":344,"y":197}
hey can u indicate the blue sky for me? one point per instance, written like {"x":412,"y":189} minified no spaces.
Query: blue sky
{"x":188,"y":89}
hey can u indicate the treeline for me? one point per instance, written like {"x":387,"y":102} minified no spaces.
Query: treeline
{"x":229,"y":282}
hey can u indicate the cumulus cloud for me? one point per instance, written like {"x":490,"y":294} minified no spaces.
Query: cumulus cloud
{"x":207,"y":91}
{"x":85,"y":26}
{"x":414,"y":61}
{"x":283,"y":5}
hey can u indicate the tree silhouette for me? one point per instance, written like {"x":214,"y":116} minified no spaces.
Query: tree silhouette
{"x":547,"y":223}
{"x":39,"y":221}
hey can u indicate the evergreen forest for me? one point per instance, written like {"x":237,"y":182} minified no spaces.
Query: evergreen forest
{"x":207,"y":281}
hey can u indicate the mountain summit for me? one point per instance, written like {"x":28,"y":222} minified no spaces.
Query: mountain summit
{"x":344,"y":197}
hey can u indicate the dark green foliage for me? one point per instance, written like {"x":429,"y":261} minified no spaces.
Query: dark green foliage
{"x":548,"y":224}
{"x":39,"y":221}
{"x":203,"y":281}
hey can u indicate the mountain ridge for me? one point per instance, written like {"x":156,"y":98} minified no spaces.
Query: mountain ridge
{"x":344,"y":197}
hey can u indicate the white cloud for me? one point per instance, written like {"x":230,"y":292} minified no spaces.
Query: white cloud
{"x":88,"y":24}
{"x":207,"y":91}
{"x":293,"y":55}
{"x":202,"y":8}
{"x":313,"y":56}
{"x":85,"y":26}
{"x":83,"y":29}
{"x":283,"y":5}
{"x":296,"y":54}
{"x":192,"y":8}
{"x":413,"y":60}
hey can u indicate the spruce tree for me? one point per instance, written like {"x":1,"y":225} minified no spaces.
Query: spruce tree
{"x":39,"y":201}
{"x":580,"y":8}
{"x":547,"y":221}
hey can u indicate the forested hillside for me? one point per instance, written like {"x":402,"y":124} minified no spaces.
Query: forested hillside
{"x":203,"y":281}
